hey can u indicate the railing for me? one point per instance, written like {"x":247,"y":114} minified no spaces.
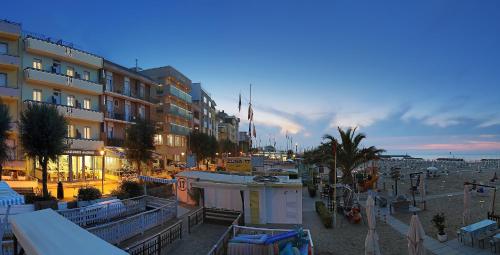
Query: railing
{"x":157,"y":243}
{"x":494,"y":217}
{"x":98,"y":214}
{"x":196,"y":218}
{"x":118,"y":231}
{"x":220,"y":248}
{"x":115,"y":142}
{"x":55,"y":104}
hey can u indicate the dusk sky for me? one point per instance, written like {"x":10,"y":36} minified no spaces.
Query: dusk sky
{"x":420,"y":77}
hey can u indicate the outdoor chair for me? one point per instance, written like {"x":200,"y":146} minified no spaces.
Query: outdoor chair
{"x":493,"y":244}
{"x":487,"y":235}
{"x":459,"y":235}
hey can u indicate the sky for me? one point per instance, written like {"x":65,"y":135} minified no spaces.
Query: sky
{"x":417,"y":77}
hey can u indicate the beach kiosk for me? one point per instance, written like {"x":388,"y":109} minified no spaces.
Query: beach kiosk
{"x":264,"y":200}
{"x":46,"y":232}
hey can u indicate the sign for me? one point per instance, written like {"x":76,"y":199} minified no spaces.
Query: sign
{"x":81,"y":152}
{"x":182,"y":184}
{"x":191,"y":161}
{"x":238,"y":165}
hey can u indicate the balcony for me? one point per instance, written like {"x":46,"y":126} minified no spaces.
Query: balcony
{"x":10,"y":30}
{"x":116,"y":142}
{"x":7,"y":93}
{"x":9,"y":62}
{"x":62,"y":81}
{"x":74,"y":112}
{"x":178,"y":129}
{"x":84,"y":144}
{"x":61,"y":51}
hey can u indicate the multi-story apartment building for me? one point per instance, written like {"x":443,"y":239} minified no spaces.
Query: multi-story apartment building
{"x":128,"y":96}
{"x":228,"y":127}
{"x":10,"y":35}
{"x":204,"y":113}
{"x":244,"y":141}
{"x":175,"y":107}
{"x":58,"y":74}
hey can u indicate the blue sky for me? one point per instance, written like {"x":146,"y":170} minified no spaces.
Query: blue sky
{"x":421,"y":77}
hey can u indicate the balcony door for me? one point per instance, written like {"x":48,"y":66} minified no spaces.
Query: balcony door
{"x":127,"y":110}
{"x":126,"y":86}
{"x":56,"y":97}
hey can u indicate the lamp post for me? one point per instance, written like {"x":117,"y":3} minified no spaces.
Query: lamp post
{"x":102,"y":152}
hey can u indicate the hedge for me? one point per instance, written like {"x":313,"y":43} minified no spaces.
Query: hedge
{"x":324,"y":214}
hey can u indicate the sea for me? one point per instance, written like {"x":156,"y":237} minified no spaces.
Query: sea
{"x":432,"y":155}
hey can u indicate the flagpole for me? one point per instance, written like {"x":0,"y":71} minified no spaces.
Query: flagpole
{"x":334,"y":184}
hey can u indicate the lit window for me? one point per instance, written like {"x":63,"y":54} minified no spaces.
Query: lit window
{"x":158,"y":139}
{"x":70,"y":71}
{"x":86,"y":75}
{"x":86,"y":132}
{"x":3,"y":48}
{"x":170,"y":140}
{"x":37,"y":63}
{"x":37,"y":95}
{"x":71,"y":130}
{"x":86,"y":103}
{"x":71,"y":101}
{"x":177,"y":141}
{"x":3,"y":80}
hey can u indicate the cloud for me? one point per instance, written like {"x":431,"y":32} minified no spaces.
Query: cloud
{"x":441,"y":121}
{"x":467,"y":146}
{"x":358,"y":118}
{"x":489,"y":123}
{"x":273,"y":120}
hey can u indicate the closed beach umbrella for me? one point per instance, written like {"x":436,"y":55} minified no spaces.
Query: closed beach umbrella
{"x":415,"y":237}
{"x":371,"y":241}
{"x":466,"y":215}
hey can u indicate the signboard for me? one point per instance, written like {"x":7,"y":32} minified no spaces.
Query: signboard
{"x":238,"y":165}
{"x":191,"y":161}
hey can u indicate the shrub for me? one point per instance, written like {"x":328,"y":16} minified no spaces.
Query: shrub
{"x":324,"y":214}
{"x":438,"y":221}
{"x":128,"y":189}
{"x":311,"y":189}
{"x":88,"y":194}
{"x":32,"y":198}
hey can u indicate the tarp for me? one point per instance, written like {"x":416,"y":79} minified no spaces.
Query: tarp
{"x":45,"y":232}
{"x":8,"y":196}
{"x":415,"y":237}
{"x":157,"y":180}
{"x":371,"y":241}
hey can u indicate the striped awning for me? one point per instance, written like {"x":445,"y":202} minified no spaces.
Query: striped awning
{"x":9,"y":196}
{"x":157,"y":180}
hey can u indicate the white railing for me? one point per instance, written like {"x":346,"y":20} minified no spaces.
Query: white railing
{"x":98,"y":214}
{"x":118,"y":231}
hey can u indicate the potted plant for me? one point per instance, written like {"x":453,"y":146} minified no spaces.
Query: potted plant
{"x":438,"y":221}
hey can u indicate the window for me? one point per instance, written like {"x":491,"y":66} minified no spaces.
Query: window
{"x":109,"y":81}
{"x":86,"y":103}
{"x":56,"y":67}
{"x":37,"y":64}
{"x":4,"y":48}
{"x":205,"y":99}
{"x":86,"y":75}
{"x":71,"y":130}
{"x":86,"y":132}
{"x":177,"y":141}
{"x":141,"y":90}
{"x":177,"y":157}
{"x":141,"y":112}
{"x":70,"y":71}
{"x":170,"y":140}
{"x":126,"y":85}
{"x":71,"y":101}
{"x":158,"y":139}
{"x":37,"y":95}
{"x":3,"y":80}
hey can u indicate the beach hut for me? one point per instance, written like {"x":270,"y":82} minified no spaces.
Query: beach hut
{"x":46,"y":232}
{"x":263,"y":200}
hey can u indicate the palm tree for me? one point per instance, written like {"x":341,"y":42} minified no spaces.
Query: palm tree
{"x":139,"y":142}
{"x":349,"y":153}
{"x":42,"y":133}
{"x":4,"y":128}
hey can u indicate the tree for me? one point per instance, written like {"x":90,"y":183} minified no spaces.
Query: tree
{"x":42,"y":131}
{"x":349,"y":153}
{"x":4,"y":128}
{"x":203,"y":145}
{"x":139,"y":142}
{"x":226,"y":146}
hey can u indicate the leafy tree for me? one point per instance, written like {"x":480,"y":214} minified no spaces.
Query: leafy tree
{"x":4,"y":128}
{"x":226,"y":146}
{"x":349,"y":153}
{"x":203,"y":145}
{"x":139,"y":142}
{"x":42,"y":133}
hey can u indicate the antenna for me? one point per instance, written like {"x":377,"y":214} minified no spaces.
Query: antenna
{"x":136,"y":65}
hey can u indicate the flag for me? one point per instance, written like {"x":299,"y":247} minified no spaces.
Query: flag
{"x":250,"y":128}
{"x":239,"y":104}
{"x":254,"y":131}
{"x":250,"y":112}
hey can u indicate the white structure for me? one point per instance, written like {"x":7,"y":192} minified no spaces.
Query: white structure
{"x":262,"y":202}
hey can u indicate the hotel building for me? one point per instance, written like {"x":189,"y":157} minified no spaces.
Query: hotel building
{"x":128,"y":96}
{"x":10,"y":35}
{"x":228,"y":127}
{"x":56,"y":73}
{"x":175,"y":108}
{"x":205,"y":115}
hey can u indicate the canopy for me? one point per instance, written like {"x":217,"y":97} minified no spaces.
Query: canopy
{"x":45,"y":232}
{"x":371,"y":241}
{"x":8,"y":196}
{"x":157,"y":180}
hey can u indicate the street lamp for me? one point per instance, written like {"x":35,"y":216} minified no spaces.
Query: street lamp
{"x":102,"y":152}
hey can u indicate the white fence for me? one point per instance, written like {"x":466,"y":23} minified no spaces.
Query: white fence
{"x":118,"y":231}
{"x":98,"y":214}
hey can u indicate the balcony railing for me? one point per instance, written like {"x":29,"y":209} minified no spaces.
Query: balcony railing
{"x":62,"y":81}
{"x":84,"y":144}
{"x":60,"y":49}
{"x":132,"y":94}
{"x":73,"y":112}
{"x":181,"y":112}
{"x":178,"y":129}
{"x":8,"y":92}
{"x":121,"y":116}
{"x":10,"y":29}
{"x":115,"y":142}
{"x":9,"y":60}
{"x":180,"y":94}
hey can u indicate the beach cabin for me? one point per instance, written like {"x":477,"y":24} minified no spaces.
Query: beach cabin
{"x":264,"y":200}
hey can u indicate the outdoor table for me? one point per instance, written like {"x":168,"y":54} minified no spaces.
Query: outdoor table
{"x":477,"y":228}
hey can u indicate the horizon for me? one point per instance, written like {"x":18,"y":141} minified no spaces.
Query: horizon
{"x":415,"y":78}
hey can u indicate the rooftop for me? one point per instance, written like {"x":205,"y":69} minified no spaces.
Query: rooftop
{"x":232,"y":178}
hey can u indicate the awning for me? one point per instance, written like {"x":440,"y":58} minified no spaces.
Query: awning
{"x":114,"y":152}
{"x":8,"y":196}
{"x":14,"y":165}
{"x":45,"y":232}
{"x":157,"y":180}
